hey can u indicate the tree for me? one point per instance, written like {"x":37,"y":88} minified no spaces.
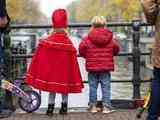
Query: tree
{"x":128,"y":8}
{"x":72,"y":11}
{"x":24,"y":11}
{"x":113,"y":10}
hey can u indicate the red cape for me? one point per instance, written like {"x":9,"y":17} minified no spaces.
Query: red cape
{"x":54,"y":66}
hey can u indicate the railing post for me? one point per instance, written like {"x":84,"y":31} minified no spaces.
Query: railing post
{"x":136,"y":58}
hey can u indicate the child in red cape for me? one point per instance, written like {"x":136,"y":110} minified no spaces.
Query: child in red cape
{"x":54,"y":67}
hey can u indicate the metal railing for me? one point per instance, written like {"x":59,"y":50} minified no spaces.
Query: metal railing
{"x":78,"y":25}
{"x":136,"y":54}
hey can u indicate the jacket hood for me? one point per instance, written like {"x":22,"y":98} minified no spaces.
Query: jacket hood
{"x":59,"y":18}
{"x":100,"y":36}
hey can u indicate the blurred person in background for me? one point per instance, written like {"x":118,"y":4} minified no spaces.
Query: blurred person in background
{"x":4,"y":23}
{"x":152,"y":13}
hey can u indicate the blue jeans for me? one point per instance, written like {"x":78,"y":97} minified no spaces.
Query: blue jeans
{"x":154,"y":107}
{"x":104,"y":78}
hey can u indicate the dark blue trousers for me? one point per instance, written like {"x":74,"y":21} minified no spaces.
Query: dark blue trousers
{"x":154,"y":107}
{"x":1,"y":56}
{"x":0,"y":63}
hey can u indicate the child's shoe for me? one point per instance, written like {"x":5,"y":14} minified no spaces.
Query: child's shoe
{"x":99,"y":106}
{"x":50,"y":109}
{"x":107,"y":109}
{"x":93,"y":109}
{"x":63,"y":109}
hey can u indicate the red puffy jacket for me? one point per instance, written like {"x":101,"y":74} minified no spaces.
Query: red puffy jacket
{"x":99,"y":49}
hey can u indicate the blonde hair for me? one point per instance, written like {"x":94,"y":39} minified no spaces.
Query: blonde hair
{"x":98,"y":21}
